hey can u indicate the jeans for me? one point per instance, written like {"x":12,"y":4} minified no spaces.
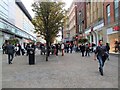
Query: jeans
{"x":101,"y":62}
{"x":10,"y":58}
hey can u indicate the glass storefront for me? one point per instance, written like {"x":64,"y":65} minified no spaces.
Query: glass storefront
{"x":6,"y":27}
{"x":1,"y":40}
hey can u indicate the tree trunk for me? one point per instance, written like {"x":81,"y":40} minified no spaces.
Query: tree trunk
{"x":47,"y":46}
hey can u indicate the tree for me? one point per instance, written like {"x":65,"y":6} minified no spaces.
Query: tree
{"x":84,"y":40}
{"x":48,"y":20}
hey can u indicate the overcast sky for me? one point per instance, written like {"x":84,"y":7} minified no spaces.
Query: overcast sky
{"x":28,"y":3}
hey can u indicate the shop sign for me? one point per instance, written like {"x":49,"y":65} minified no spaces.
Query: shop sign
{"x":116,"y":28}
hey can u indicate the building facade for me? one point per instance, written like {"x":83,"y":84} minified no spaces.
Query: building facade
{"x":15,"y":22}
{"x":95,"y":23}
{"x":81,"y":19}
{"x":66,"y":31}
{"x":72,"y":14}
{"x":111,"y":20}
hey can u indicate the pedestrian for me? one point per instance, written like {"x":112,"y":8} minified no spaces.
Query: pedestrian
{"x":19,"y":50}
{"x":101,"y":55}
{"x":56,"y":49}
{"x":108,"y":48}
{"x":87,"y":50}
{"x":28,"y":49}
{"x":33,"y":46}
{"x":4,"y":48}
{"x":67,"y":47}
{"x":62,"y":48}
{"x":71,"y":48}
{"x":74,"y":47}
{"x":10,"y":52}
{"x":16,"y":50}
{"x":82,"y":48}
{"x":22,"y":49}
{"x":52,"y":49}
{"x":92,"y":46}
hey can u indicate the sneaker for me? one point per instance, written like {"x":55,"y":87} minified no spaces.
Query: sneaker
{"x":101,"y":72}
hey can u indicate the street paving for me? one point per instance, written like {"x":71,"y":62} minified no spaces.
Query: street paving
{"x":69,"y":71}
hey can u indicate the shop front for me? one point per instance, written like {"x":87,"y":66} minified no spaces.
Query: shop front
{"x":1,"y":40}
{"x":113,"y":40}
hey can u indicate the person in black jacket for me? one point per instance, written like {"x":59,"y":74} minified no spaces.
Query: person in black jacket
{"x":27,"y":48}
{"x":82,"y":48}
{"x":10,"y":51}
{"x":4,"y":48}
{"x":87,"y":49}
{"x":56,"y":45}
{"x":71,"y":48}
{"x":107,"y":48}
{"x":101,"y":55}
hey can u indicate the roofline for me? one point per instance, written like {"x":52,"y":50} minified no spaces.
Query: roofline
{"x":22,"y":7}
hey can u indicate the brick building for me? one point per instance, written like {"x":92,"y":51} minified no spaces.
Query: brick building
{"x":94,"y":17}
{"x":111,"y":19}
{"x":81,"y":18}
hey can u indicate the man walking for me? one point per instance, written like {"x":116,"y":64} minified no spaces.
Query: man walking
{"x":108,"y":49}
{"x":87,"y":49}
{"x":71,"y":48}
{"x":4,"y":48}
{"x":82,"y":48}
{"x":56,"y":45}
{"x":10,"y":51}
{"x":101,"y":55}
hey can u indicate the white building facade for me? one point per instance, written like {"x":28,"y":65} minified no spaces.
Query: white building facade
{"x":15,"y":22}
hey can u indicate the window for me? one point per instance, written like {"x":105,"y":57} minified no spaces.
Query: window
{"x":116,"y":4}
{"x":80,"y":19}
{"x":108,"y":14}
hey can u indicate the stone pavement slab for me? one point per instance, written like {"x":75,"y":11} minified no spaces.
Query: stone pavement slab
{"x":69,"y":71}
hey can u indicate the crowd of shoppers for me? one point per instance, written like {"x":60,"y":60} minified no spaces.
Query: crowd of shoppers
{"x":16,"y":50}
{"x":101,"y":51}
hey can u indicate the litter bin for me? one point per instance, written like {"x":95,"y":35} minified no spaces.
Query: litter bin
{"x":31,"y":56}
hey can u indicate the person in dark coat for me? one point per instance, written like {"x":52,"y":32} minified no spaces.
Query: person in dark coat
{"x":10,"y":51}
{"x":27,"y":48}
{"x":107,"y":48}
{"x":67,"y":47}
{"x":87,"y":50}
{"x":71,"y":48}
{"x":82,"y":48}
{"x":19,"y":50}
{"x":101,"y":55}
{"x":4,"y":48}
{"x":56,"y":49}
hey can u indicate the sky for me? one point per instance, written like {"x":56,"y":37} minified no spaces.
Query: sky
{"x":28,"y":3}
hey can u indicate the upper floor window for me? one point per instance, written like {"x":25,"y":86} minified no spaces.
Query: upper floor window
{"x":116,"y":4}
{"x":108,"y":14}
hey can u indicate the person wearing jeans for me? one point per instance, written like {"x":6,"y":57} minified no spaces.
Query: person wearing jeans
{"x":99,"y":53}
